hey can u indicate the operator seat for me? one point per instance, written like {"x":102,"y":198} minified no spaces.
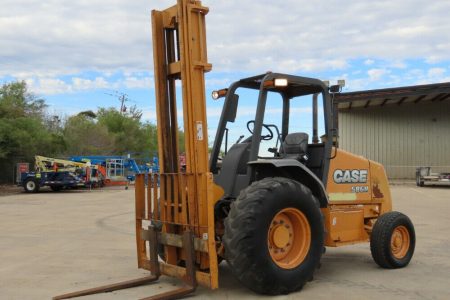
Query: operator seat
{"x":295,"y":145}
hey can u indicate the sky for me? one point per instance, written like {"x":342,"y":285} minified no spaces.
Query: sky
{"x":75,"y":53}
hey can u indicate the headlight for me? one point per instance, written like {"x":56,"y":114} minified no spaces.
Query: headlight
{"x":219,"y":94}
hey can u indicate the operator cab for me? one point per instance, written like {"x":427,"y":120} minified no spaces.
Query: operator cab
{"x":280,"y":113}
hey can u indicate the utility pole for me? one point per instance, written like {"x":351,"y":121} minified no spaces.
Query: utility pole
{"x":122,"y":97}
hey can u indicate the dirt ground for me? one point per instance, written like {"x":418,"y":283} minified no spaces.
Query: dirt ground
{"x":53,"y":243}
{"x":9,"y":189}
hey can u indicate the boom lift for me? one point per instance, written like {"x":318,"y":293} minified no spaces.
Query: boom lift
{"x":270,"y":215}
{"x":48,"y":164}
{"x":58,"y":174}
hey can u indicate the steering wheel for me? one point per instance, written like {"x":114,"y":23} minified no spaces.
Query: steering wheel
{"x":266,"y":137}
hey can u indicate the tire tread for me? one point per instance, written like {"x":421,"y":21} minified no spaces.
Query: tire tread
{"x":381,"y":237}
{"x":240,"y":226}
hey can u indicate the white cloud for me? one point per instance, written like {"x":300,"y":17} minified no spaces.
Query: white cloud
{"x":133,"y":82}
{"x":377,"y":74}
{"x":149,"y":115}
{"x":213,"y":112}
{"x":53,"y":85}
{"x":369,"y":62}
{"x":436,"y":72}
{"x":67,"y":37}
{"x":218,"y":82}
{"x":388,"y":30}
{"x":80,"y":84}
{"x":49,"y":86}
{"x":57,"y":37}
{"x":398,"y":64}
{"x":433,"y":75}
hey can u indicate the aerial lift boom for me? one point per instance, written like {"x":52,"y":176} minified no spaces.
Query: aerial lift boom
{"x":48,"y":164}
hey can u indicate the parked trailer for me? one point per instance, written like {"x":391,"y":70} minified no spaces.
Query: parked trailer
{"x":59,"y":174}
{"x":424,"y":175}
{"x":33,"y":181}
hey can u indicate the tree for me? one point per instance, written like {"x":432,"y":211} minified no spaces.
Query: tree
{"x":125,"y":129}
{"x":88,"y":113}
{"x":16,"y":101}
{"x":27,"y":130}
{"x":84,"y":136}
{"x":149,"y":145}
{"x":23,"y":128}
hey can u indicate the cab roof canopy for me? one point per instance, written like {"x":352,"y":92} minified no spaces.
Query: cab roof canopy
{"x":297,"y":85}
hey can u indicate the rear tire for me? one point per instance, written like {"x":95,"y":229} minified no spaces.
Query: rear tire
{"x":393,"y":240}
{"x":255,"y":229}
{"x":56,"y":188}
{"x":31,"y":186}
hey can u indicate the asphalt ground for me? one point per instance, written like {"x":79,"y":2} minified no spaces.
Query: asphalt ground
{"x":53,"y":243}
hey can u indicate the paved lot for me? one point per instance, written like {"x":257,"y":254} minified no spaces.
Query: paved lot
{"x":52,"y":243}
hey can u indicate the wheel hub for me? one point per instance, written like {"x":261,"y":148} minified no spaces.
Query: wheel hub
{"x":289,"y":238}
{"x":281,"y":236}
{"x":30,"y":185}
{"x":400,"y":242}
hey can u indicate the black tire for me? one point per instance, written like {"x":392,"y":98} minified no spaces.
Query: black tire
{"x":246,"y":235}
{"x":380,"y":240}
{"x":56,"y":188}
{"x":31,"y":185}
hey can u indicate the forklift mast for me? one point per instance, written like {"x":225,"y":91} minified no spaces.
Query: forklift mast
{"x":175,"y":234}
{"x":184,"y":207}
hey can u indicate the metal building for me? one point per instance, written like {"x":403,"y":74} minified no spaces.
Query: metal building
{"x":402,"y":128}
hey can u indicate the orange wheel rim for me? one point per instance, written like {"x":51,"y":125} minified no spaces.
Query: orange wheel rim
{"x":400,"y":242}
{"x":289,"y":238}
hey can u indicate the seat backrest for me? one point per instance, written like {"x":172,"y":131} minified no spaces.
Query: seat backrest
{"x":296,"y":144}
{"x":316,"y":157}
{"x":234,"y":163}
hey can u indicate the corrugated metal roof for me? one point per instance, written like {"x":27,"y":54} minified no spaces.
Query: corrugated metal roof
{"x":436,"y":92}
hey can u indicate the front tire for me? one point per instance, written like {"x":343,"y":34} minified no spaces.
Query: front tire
{"x":393,"y":240}
{"x":274,"y":236}
{"x":31,"y":186}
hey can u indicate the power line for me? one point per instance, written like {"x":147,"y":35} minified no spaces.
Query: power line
{"x":122,"y":97}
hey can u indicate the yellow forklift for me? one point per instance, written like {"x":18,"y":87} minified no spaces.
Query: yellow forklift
{"x":269,"y":213}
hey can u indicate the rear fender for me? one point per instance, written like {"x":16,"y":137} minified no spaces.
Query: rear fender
{"x":293,"y":169}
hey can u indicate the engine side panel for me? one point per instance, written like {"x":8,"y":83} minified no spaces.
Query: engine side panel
{"x":349,"y":178}
{"x":359,"y":193}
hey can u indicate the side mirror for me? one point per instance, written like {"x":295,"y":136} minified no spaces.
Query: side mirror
{"x":231,"y":108}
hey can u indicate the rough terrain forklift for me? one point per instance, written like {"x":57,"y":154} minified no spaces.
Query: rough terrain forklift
{"x":279,"y":210}
{"x":269,"y":213}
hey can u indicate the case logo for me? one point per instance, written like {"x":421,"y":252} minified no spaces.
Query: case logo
{"x":350,"y":176}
